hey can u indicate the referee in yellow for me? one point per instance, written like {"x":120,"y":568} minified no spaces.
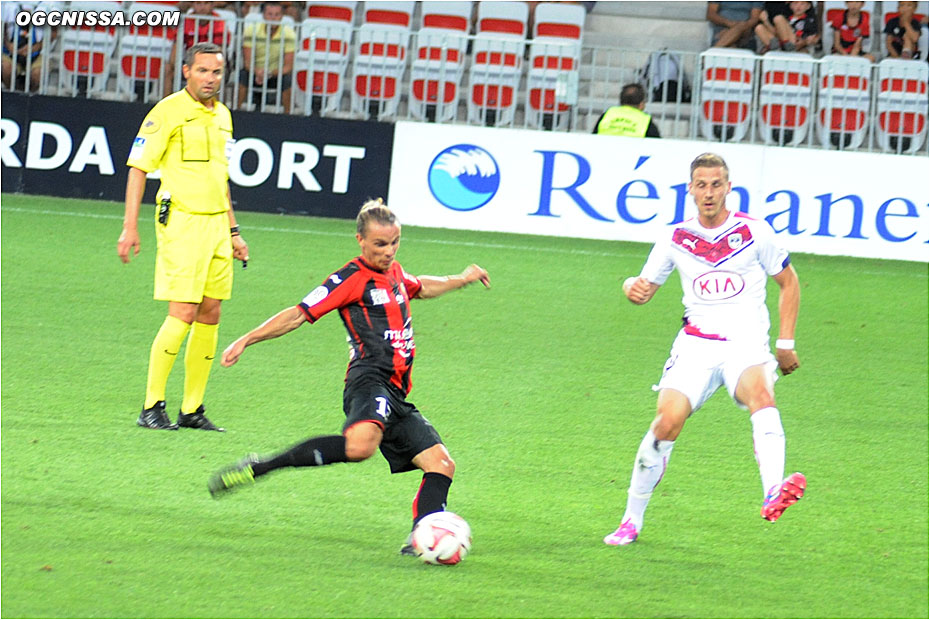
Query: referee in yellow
{"x":188,"y":136}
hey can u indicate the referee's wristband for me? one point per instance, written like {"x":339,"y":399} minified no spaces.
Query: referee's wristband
{"x":233,"y":231}
{"x":785,"y":343}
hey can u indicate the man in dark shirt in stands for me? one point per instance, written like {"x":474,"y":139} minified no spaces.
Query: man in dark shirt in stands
{"x":903,"y":32}
{"x":372,"y":294}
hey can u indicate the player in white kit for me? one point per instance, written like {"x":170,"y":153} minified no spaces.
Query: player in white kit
{"x":724,"y":260}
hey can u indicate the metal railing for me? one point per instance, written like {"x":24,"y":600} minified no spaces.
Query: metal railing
{"x":352,"y":72}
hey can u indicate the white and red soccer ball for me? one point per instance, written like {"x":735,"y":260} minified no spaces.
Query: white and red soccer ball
{"x":442,"y":538}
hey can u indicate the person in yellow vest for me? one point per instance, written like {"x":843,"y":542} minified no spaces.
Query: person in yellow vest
{"x":188,"y":136}
{"x":628,"y":118}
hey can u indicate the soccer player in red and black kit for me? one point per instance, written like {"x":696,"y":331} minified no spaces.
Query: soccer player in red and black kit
{"x":372,"y":294}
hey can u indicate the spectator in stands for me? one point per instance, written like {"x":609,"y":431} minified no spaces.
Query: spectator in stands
{"x":799,"y":33}
{"x":902,"y":32}
{"x":294,"y":10}
{"x":772,"y":19}
{"x":22,"y":50}
{"x":267,"y":57}
{"x":248,"y":7}
{"x":733,"y":22}
{"x":628,"y":118}
{"x":851,"y":32}
{"x":201,"y":25}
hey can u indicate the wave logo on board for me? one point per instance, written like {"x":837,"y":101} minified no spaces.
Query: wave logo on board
{"x":464,"y":177}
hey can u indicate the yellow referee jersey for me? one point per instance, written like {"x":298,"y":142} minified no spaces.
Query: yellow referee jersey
{"x":189,"y":143}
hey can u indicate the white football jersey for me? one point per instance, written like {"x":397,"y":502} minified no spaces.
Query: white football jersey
{"x":723,"y":272}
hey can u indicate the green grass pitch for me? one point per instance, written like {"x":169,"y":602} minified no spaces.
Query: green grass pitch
{"x":540,"y":387}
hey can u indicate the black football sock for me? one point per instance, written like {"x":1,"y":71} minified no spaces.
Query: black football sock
{"x":434,"y":489}
{"x":322,"y":450}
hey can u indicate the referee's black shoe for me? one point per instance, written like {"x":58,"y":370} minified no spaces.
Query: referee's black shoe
{"x":198,"y":420}
{"x":155,"y":417}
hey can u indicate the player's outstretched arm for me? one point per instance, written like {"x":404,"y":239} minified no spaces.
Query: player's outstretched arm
{"x":283,"y":322}
{"x":434,"y":286}
{"x":789,"y":304}
{"x":639,"y":290}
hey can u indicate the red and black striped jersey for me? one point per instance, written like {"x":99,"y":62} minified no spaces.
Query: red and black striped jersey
{"x":375,"y":308}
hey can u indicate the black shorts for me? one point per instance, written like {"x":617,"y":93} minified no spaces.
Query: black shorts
{"x":406,"y":431}
{"x":271,"y":83}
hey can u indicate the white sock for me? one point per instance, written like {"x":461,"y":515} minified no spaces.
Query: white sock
{"x":651,"y":461}
{"x":768,"y":438}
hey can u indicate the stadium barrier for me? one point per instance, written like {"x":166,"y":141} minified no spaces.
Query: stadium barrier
{"x":563,"y":87}
{"x":508,"y":180}
{"x":630,"y":189}
{"x":279,"y":164}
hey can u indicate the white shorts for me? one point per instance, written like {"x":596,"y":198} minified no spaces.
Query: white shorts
{"x":696,"y":366}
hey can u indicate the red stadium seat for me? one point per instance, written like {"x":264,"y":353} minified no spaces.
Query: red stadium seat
{"x":727,"y":78}
{"x":786,"y":97}
{"x":320,"y":64}
{"x":901,"y":120}
{"x":497,"y":62}
{"x":555,"y":56}
{"x":843,"y":98}
{"x":439,"y":60}
{"x":381,"y":58}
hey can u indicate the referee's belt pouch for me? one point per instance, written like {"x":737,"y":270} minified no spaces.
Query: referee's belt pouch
{"x":195,"y":143}
{"x":164,"y":209}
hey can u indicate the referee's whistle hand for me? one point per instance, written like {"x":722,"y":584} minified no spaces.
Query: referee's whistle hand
{"x":240,"y":248}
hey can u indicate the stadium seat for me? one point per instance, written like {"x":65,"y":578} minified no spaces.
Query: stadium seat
{"x":843,"y":100}
{"x":143,"y":53}
{"x":833,"y":11}
{"x":86,"y":52}
{"x":439,"y":60}
{"x":555,"y":58}
{"x":320,"y":64}
{"x":381,"y":58}
{"x":337,"y":10}
{"x":497,"y":62}
{"x":727,"y":78}
{"x":901,"y":119}
{"x":786,"y":96}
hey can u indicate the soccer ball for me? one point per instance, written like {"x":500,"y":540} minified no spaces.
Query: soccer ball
{"x":442,"y":538}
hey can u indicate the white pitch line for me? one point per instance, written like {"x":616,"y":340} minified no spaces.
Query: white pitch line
{"x":474,"y":244}
{"x":324,"y":233}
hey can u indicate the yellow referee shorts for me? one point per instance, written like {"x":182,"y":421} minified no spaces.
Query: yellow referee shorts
{"x":194,"y":258}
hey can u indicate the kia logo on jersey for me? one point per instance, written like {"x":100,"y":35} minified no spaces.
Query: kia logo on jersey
{"x":718,"y":285}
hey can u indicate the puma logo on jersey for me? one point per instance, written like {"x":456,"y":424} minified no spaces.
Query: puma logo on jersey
{"x":717,"y":251}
